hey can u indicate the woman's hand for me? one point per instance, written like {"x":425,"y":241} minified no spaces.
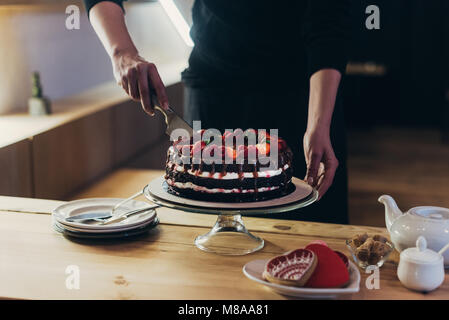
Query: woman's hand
{"x":320,"y":159}
{"x":139,"y":78}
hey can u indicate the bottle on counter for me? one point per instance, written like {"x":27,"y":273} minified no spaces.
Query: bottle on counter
{"x":38,"y":104}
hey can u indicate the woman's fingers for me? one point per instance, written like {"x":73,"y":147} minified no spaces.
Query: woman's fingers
{"x":133,"y":84}
{"x":158,"y":86}
{"x":138,"y":78}
{"x":320,"y":159}
{"x":330,"y":167}
{"x":313,"y":165}
{"x":124,"y":84}
{"x":144,"y":90}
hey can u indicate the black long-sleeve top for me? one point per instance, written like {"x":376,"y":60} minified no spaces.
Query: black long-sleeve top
{"x":242,"y":39}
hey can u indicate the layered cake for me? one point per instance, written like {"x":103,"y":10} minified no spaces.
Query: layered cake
{"x":238,"y":177}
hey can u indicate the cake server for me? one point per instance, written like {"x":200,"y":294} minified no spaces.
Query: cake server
{"x":126,"y":215}
{"x":172,"y":120}
{"x":106,"y":215}
{"x":89,"y":216}
{"x":100,"y":216}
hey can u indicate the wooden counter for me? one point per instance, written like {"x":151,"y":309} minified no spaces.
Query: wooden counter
{"x":164,"y":264}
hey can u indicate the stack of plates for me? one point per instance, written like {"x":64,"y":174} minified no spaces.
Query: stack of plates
{"x":90,"y":229}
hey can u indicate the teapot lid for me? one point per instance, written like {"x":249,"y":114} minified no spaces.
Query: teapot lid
{"x":420,"y":253}
{"x":435,"y":214}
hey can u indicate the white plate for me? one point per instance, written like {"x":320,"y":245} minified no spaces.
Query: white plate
{"x":112,"y":227}
{"x":111,"y":235}
{"x":76,"y":207}
{"x":97,"y":231}
{"x":254,"y":269}
{"x":157,"y":190}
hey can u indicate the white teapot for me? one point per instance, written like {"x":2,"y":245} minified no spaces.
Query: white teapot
{"x":430,"y":222}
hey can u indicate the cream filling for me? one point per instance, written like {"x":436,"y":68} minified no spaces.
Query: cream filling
{"x":190,"y":185}
{"x":231,"y":175}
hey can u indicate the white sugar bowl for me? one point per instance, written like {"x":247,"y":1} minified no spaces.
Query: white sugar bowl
{"x":420,"y":268}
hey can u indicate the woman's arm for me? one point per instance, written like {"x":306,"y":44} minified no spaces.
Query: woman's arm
{"x":327,"y":35}
{"x":136,"y":75}
{"x":319,"y":155}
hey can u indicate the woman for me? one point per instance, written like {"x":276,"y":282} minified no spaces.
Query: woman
{"x":264,"y":64}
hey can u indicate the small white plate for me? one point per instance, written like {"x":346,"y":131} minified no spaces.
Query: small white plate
{"x":254,"y":269}
{"x":76,"y":207}
{"x":107,"y":230}
{"x":110,"y":235}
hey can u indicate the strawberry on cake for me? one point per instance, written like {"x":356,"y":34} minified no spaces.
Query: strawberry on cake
{"x":224,"y":170}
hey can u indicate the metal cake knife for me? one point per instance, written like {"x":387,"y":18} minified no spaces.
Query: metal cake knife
{"x":172,"y":120}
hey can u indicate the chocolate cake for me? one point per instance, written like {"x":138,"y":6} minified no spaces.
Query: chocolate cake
{"x":238,"y":177}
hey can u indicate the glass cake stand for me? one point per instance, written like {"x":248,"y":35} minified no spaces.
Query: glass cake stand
{"x":229,"y":235}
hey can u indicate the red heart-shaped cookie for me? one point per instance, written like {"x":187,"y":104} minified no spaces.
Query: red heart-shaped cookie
{"x":343,"y":257}
{"x":293,"y":268}
{"x":330,"y":272}
{"x":319,"y":242}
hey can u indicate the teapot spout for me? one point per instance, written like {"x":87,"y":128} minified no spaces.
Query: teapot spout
{"x":392,"y":212}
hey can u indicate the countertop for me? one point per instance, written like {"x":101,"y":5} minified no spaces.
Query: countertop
{"x":164,"y":264}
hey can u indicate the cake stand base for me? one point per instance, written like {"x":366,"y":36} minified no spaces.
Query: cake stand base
{"x":229,"y":237}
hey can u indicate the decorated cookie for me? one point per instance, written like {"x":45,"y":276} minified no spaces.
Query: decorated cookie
{"x":330,"y":272}
{"x":291,"y":269}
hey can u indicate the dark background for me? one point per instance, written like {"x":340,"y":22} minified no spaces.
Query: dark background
{"x":413,"y":44}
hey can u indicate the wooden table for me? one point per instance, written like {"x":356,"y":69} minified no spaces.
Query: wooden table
{"x":164,"y":264}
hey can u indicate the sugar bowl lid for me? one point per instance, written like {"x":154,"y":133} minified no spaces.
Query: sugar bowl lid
{"x":421,"y":254}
